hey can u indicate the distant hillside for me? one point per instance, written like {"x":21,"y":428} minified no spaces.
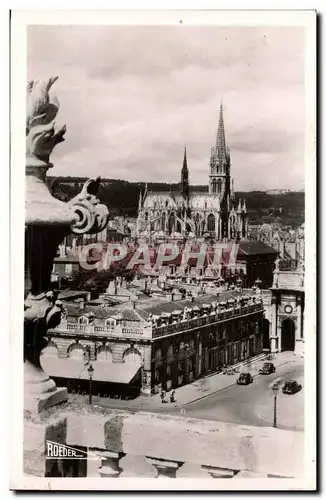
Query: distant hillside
{"x":122,"y":197}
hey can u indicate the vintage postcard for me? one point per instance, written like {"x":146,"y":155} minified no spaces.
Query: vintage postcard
{"x":163,"y":312}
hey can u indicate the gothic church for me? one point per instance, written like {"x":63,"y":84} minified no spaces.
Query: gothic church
{"x":188,"y":213}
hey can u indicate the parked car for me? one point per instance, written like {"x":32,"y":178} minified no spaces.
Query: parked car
{"x":291,"y":387}
{"x":267,"y":368}
{"x":244,"y":379}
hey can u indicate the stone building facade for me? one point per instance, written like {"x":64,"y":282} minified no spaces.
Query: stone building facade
{"x":171,"y":342}
{"x":187,"y":213}
{"x":284,"y":306}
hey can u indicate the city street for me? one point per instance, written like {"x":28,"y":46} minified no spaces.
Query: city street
{"x":253,"y":404}
{"x":248,"y":405}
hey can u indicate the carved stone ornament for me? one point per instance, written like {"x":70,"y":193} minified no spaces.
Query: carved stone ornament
{"x":47,"y":222}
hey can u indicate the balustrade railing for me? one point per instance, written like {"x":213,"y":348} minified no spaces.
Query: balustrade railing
{"x":205,"y":320}
{"x":146,"y":444}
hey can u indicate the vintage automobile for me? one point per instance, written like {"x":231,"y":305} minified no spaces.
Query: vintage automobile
{"x":291,"y":387}
{"x":244,"y":379}
{"x":267,"y":368}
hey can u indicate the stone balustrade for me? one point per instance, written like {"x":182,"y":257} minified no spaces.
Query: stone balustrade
{"x":208,"y":319}
{"x":155,"y":445}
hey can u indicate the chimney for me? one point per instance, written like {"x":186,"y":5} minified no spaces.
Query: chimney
{"x":134,"y":304}
{"x":82,"y":304}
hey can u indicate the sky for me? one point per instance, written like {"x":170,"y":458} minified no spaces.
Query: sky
{"x":133,"y":96}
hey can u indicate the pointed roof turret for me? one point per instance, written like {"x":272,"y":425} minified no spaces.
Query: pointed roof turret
{"x":221,"y":150}
{"x":145,"y":192}
{"x":232,"y":188}
{"x":185,"y":176}
{"x":185,"y":163}
{"x":244,"y":207}
{"x":140,"y":201}
{"x":239,"y":207}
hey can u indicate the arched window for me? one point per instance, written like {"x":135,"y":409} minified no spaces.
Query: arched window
{"x":163,"y":221}
{"x":75,"y":351}
{"x":219,"y":186}
{"x":214,"y":186}
{"x":50,"y":350}
{"x":132,"y":355}
{"x":211,"y":222}
{"x":172,"y":223}
{"x":104,"y":354}
{"x":82,"y":320}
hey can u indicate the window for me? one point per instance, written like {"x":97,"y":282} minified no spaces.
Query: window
{"x":211,"y":222}
{"x":110,"y":323}
{"x":82,"y":320}
{"x":68,"y":268}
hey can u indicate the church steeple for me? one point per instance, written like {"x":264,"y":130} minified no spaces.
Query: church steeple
{"x":221,"y":150}
{"x":184,"y":185}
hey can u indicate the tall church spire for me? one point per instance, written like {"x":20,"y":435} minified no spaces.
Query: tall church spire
{"x":184,"y":187}
{"x":221,"y":150}
{"x":140,"y":201}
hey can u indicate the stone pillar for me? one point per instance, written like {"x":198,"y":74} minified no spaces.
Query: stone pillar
{"x":110,"y":464}
{"x":274,"y":336}
{"x":47,"y":222}
{"x":199,"y":357}
{"x":36,"y":434}
{"x":166,"y":469}
{"x":298,"y":331}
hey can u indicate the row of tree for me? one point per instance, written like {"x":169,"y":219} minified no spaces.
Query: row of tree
{"x":122,"y":198}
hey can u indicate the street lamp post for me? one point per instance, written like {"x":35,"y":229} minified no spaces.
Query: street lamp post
{"x":90,"y":370}
{"x":275,"y":391}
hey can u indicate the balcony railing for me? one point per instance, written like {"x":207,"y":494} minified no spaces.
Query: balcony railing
{"x":206,"y":320}
{"x":152,"y":445}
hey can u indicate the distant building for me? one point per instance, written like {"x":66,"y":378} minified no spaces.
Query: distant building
{"x":278,"y":191}
{"x":186,"y":213}
{"x":287,"y":241}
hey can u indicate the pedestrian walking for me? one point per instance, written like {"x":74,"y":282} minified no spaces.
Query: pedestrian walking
{"x":163,"y":399}
{"x":172,"y":396}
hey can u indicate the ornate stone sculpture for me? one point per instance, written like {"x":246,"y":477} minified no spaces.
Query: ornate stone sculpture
{"x":47,"y":222}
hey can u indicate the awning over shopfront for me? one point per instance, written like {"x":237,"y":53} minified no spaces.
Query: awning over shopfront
{"x":116,"y":373}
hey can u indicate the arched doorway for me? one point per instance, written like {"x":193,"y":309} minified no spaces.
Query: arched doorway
{"x":75,"y":351}
{"x":50,"y":350}
{"x":104,"y":354}
{"x":131,"y":355}
{"x":288,"y":335}
{"x":265,"y":331}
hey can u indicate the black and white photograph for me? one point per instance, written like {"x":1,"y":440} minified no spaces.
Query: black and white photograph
{"x":164,"y":250}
